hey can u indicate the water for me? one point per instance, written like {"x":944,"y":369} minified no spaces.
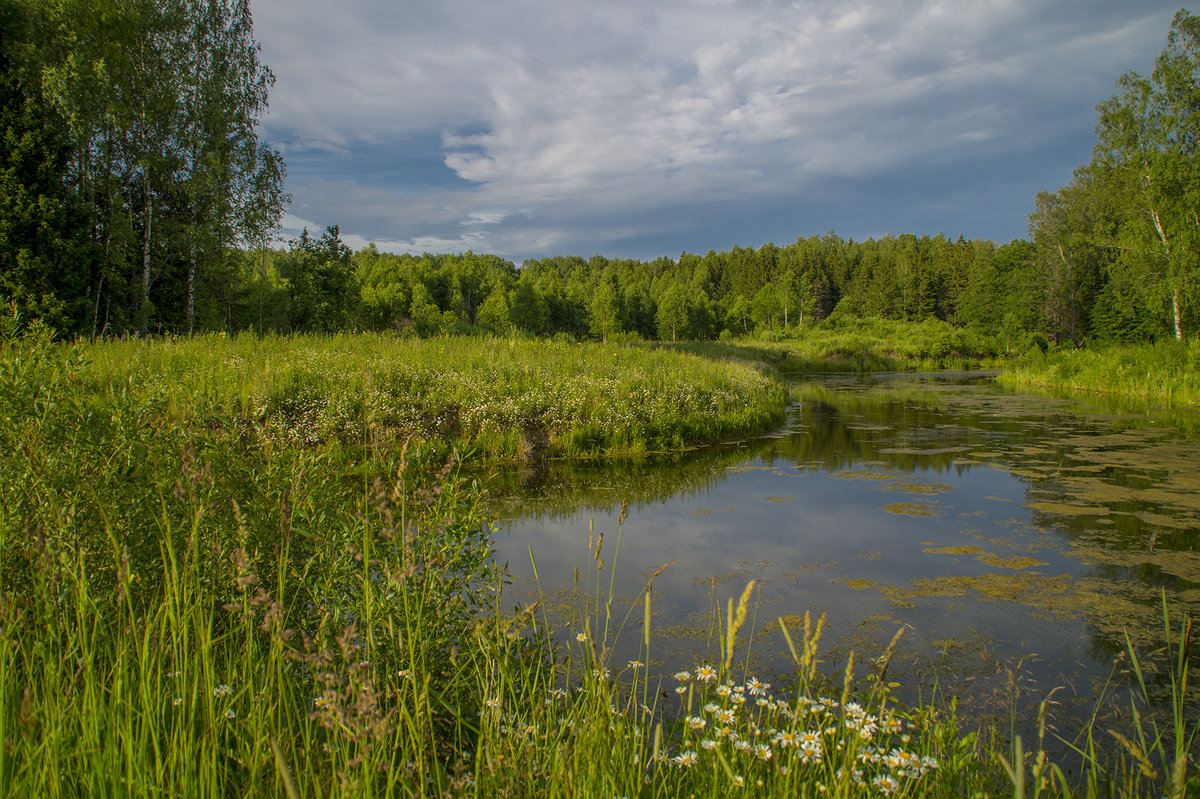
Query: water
{"x":1016,"y":539}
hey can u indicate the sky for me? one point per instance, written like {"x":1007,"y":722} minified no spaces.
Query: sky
{"x":641,"y":128}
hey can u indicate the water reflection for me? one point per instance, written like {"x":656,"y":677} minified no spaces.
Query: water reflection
{"x":998,"y":528}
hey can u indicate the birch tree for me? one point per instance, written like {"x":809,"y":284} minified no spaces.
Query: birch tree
{"x":1148,"y":140}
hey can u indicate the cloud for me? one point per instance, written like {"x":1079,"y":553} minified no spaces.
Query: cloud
{"x":563,"y":119}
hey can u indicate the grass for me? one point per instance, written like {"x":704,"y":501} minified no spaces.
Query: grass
{"x":853,"y":344}
{"x":1165,"y":374}
{"x":190,"y":607}
{"x":502,"y":398}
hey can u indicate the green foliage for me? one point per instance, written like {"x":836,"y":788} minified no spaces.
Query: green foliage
{"x":38,"y":216}
{"x":851,"y":343}
{"x":130,"y":165}
{"x":1163,"y":374}
{"x":1069,"y":257}
{"x":1147,"y":140}
{"x":672,"y":318}
{"x":530,"y":310}
{"x":129,"y":184}
{"x":320,"y":279}
{"x":494,"y":315}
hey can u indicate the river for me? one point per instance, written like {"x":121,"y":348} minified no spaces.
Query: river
{"x":1017,"y":540}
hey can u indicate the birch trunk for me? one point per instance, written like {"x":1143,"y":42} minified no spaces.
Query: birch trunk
{"x":191,"y":285}
{"x":1162,"y":236}
{"x":144,"y":311}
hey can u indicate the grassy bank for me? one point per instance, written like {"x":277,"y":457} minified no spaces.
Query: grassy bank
{"x":853,"y":344}
{"x":501,"y":398}
{"x":193,"y":605}
{"x":1165,"y":374}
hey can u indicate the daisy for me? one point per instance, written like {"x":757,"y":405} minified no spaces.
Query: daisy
{"x":886,"y":784}
{"x":786,"y":738}
{"x":685,"y":759}
{"x":757,"y":687}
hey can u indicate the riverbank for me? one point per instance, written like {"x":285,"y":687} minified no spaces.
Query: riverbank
{"x":1165,"y":374}
{"x":501,"y":399}
{"x":853,"y":344}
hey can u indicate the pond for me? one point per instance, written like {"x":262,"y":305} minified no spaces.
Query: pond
{"x":1017,"y":539}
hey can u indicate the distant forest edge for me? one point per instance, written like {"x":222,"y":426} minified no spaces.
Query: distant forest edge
{"x":137,"y":199}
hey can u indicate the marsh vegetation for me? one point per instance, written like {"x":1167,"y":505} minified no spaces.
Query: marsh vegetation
{"x":256,"y":566}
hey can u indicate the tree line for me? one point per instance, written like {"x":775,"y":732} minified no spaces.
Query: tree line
{"x":137,"y":198}
{"x":320,"y":285}
{"x":130,"y":168}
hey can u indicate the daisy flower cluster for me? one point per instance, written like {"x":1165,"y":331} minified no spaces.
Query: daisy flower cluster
{"x":805,"y":740}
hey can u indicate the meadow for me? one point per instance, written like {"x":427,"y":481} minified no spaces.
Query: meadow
{"x":259,"y":568}
{"x":843,"y":343}
{"x":499,"y":398}
{"x":1164,"y":374}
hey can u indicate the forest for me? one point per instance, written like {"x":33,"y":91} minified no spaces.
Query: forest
{"x":138,"y":199}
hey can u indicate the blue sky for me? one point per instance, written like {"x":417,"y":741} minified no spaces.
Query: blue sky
{"x":639,"y":128}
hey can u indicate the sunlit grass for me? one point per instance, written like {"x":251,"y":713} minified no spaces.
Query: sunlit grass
{"x":854,"y":344}
{"x":1165,"y":374}
{"x":502,"y":398}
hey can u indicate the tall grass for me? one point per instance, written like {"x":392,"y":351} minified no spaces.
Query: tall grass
{"x":192,"y":611}
{"x":1165,"y":374}
{"x":503,"y":398}
{"x":186,"y":613}
{"x":853,"y":344}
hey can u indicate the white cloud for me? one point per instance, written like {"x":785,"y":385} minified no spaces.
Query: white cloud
{"x":563,"y":111}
